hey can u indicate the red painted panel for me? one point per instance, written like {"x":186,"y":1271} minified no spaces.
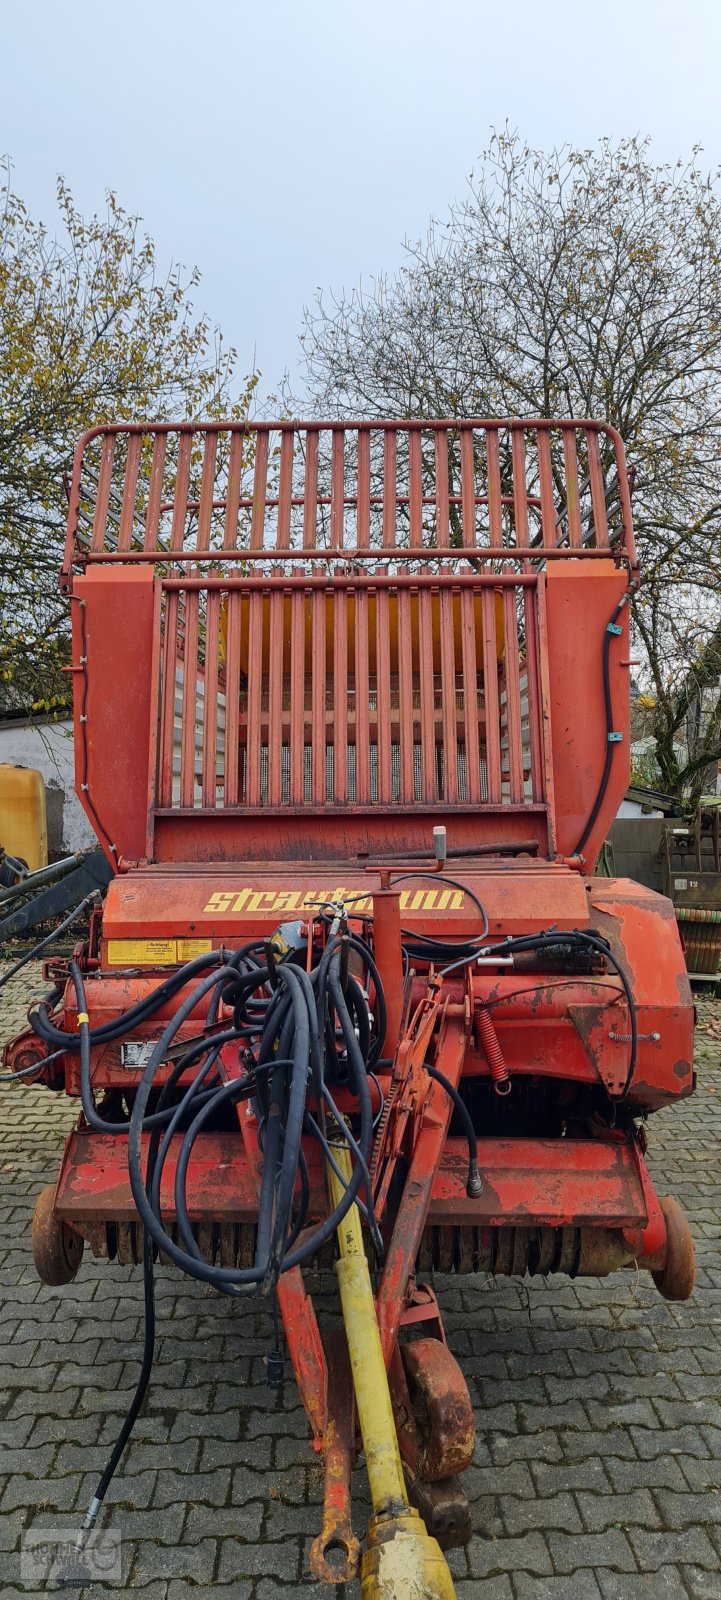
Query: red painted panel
{"x":118,"y":674}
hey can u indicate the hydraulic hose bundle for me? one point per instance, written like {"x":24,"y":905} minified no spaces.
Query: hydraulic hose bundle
{"x":299,"y":1033}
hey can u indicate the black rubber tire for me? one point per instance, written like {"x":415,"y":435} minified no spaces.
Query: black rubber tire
{"x":57,"y":1249}
{"x":678,"y":1275}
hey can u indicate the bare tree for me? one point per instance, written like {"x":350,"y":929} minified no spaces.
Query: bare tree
{"x":574,"y":283}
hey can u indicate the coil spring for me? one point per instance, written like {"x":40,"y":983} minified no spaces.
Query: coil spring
{"x":493,"y":1053}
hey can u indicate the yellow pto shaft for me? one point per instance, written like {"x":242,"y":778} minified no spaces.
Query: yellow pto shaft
{"x":400,"y":1560}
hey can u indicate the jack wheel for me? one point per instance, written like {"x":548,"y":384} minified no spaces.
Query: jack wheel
{"x":57,"y":1249}
{"x":676,"y":1279}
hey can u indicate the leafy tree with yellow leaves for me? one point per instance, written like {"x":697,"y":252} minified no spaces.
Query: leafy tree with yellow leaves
{"x":90,"y":331}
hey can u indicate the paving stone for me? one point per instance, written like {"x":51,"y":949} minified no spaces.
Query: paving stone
{"x":581,"y":1585}
{"x":700,"y":1585}
{"x":610,"y":1549}
{"x":557,"y":1511}
{"x":527,"y":1553}
{"x":638,"y":1507}
{"x":282,"y":1562}
{"x":666,"y":1583}
{"x":692,"y":1545}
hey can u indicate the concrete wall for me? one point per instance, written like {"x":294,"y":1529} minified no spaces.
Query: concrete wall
{"x":49,"y":747}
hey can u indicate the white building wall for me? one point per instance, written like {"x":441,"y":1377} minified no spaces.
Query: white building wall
{"x":48,"y":746}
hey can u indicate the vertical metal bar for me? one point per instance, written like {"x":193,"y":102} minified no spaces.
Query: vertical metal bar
{"x":389,"y":487}
{"x":232,"y":701}
{"x":310,"y":491}
{"x":443,"y":531}
{"x":232,"y":491}
{"x":190,"y":700}
{"x":207,"y":490}
{"x":598,"y":492}
{"x":520,"y":492}
{"x":167,"y":735}
{"x":405,"y":693}
{"x":130,"y":489}
{"x":545,"y":692}
{"x":470,"y":696}
{"x":427,"y":697}
{"x":383,"y":694}
{"x":297,"y":696}
{"x":495,"y":503}
{"x":513,"y":696}
{"x":318,"y":730}
{"x":362,"y":732}
{"x":210,"y":700}
{"x":448,"y":698}
{"x":415,"y":486}
{"x":340,"y":696}
{"x":468,"y":487}
{"x":255,"y":693}
{"x":102,"y":498}
{"x":154,"y":721}
{"x":625,"y":496}
{"x":545,"y":479}
{"x":275,"y":698}
{"x":490,"y":698}
{"x":155,"y":493}
{"x":337,"y":488}
{"x":260,"y":490}
{"x":535,"y":729}
{"x":573,"y":508}
{"x":364,"y":488}
{"x":285,"y":489}
{"x":180,"y":498}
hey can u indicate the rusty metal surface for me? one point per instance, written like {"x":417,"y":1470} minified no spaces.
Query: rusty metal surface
{"x":335,"y":1552}
{"x":675,"y":1280}
{"x":438,"y":1435}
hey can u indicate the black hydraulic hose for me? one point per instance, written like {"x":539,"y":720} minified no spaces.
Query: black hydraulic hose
{"x":304,"y":1202}
{"x":579,"y":938}
{"x":94,"y":1120}
{"x":178,"y":1112}
{"x":141,"y":1387}
{"x":247,"y":1276}
{"x":31,"y":955}
{"x":294,"y":1124}
{"x":376,"y":1049}
{"x":120,"y":1026}
{"x":271,"y":1151}
{"x":108,"y":1031}
{"x":455,"y":883}
{"x":611,"y":631}
{"x":474,"y":1186}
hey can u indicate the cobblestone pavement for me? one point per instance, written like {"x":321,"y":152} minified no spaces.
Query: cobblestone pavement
{"x":597,"y":1473}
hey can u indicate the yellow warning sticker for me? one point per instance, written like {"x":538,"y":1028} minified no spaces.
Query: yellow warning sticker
{"x":154,"y":952}
{"x":188,"y":949}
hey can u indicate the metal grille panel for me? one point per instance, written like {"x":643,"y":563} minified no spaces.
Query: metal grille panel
{"x":351,"y":693}
{"x":289,"y":492}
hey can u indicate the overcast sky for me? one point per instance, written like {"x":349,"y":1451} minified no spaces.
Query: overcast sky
{"x":284,"y":147}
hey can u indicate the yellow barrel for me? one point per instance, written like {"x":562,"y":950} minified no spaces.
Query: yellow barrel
{"x":23,"y":819}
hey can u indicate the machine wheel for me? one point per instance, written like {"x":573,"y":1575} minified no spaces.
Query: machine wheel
{"x":57,"y":1250}
{"x":676,"y":1279}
